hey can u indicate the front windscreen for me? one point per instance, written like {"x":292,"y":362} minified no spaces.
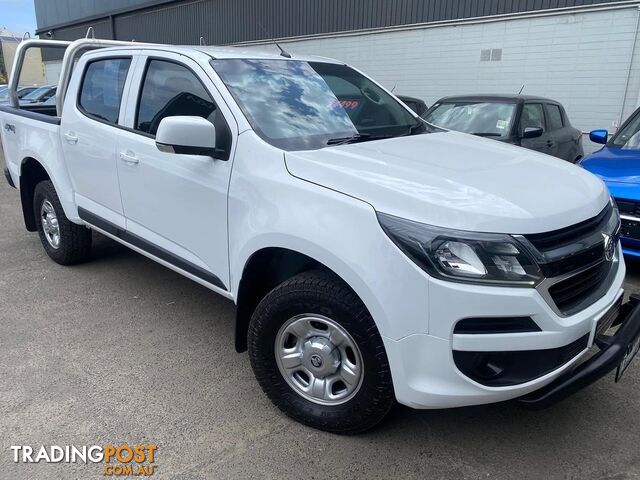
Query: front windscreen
{"x":629,"y":137}
{"x":478,"y":118}
{"x":297,"y":105}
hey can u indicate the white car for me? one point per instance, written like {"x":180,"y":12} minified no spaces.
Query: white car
{"x":372,"y":257}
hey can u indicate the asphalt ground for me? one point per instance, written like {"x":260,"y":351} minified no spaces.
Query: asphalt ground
{"x":121,"y":350}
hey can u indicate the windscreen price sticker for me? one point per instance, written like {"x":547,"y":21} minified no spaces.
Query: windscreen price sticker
{"x":117,"y":460}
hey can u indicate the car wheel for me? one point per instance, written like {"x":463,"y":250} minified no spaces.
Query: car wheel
{"x":65,"y":242}
{"x":318,"y":356}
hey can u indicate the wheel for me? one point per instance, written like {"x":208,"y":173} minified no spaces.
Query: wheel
{"x":317,"y":354}
{"x":65,"y":242}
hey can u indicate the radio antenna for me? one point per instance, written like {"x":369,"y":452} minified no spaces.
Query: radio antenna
{"x":521,"y":89}
{"x":283,"y":53}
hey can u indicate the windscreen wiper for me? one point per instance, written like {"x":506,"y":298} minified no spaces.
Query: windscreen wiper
{"x":356,"y":137}
{"x":487,"y":134}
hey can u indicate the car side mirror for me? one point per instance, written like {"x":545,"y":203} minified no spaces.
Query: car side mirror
{"x":188,"y":135}
{"x":599,"y":136}
{"x":532,"y":132}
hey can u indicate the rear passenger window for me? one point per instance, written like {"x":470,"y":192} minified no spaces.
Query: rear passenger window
{"x":532,"y":116}
{"x":102,"y":86}
{"x":555,"y":117}
{"x":169,"y":90}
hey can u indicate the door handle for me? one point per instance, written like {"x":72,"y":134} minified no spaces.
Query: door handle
{"x":70,"y":138}
{"x":550,"y":143}
{"x":129,"y":157}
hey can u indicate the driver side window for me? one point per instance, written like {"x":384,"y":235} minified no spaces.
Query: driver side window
{"x":170,"y":89}
{"x":532,"y":117}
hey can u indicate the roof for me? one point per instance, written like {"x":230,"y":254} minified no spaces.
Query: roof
{"x":224,"y":52}
{"x":507,"y":98}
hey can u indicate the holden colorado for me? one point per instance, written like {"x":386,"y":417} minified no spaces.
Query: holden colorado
{"x":372,"y":257}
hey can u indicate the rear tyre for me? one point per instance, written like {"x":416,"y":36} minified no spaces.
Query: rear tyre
{"x":65,"y":242}
{"x":317,"y":354}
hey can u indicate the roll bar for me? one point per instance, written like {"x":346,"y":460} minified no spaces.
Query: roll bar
{"x":73,"y":50}
{"x":18,"y":62}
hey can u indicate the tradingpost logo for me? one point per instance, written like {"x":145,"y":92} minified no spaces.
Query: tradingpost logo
{"x":119,"y":460}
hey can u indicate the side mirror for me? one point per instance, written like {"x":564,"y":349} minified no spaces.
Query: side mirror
{"x":532,"y":132}
{"x":599,"y":136}
{"x":188,"y":135}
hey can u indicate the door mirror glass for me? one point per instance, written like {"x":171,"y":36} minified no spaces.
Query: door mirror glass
{"x":599,"y":136}
{"x":532,"y":132}
{"x":188,"y":135}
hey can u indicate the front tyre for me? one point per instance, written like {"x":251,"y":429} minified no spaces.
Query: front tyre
{"x":317,"y":354}
{"x":64,"y":241}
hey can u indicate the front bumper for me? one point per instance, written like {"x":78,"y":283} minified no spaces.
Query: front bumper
{"x":423,"y":367}
{"x":612,"y":352}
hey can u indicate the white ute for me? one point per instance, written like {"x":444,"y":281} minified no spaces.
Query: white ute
{"x":372,"y":257}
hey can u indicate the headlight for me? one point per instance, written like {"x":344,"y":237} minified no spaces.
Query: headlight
{"x":484,"y":258}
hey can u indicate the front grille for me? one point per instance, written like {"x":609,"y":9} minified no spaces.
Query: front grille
{"x":572,"y":259}
{"x":628,"y":207}
{"x":570,"y":293}
{"x":630,"y":229}
{"x":574,"y":262}
{"x":565,"y":236}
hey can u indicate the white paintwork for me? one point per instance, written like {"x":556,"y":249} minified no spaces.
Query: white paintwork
{"x":217,"y":214}
{"x":186,"y":131}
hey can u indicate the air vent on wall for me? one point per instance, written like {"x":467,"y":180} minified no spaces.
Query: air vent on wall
{"x":491,"y":55}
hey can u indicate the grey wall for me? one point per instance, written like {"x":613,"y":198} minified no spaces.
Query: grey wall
{"x":230,"y":21}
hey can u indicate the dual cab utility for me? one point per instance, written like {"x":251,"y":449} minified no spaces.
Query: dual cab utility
{"x":372,"y":257}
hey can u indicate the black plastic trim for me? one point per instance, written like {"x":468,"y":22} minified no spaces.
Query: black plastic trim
{"x":613,"y":350}
{"x":7,"y":175}
{"x":506,"y":368}
{"x":490,"y":325}
{"x":156,"y":251}
{"x":21,"y":112}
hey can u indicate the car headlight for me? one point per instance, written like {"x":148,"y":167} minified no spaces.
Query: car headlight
{"x":483,"y":258}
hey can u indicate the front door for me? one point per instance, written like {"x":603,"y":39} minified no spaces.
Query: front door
{"x":176,"y":205}
{"x":533,"y":117}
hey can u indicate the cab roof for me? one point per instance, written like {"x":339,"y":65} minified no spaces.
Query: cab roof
{"x":223,"y":52}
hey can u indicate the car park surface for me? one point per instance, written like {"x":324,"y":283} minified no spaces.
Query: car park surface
{"x":122,"y":349}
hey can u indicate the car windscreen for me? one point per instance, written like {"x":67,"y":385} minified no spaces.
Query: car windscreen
{"x":629,"y":137}
{"x":488,"y":119}
{"x":299,"y":105}
{"x":38,"y":94}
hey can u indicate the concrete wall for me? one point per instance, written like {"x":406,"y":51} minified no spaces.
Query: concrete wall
{"x":580,"y":59}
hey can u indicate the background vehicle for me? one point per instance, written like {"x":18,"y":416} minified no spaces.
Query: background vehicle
{"x":415,"y":104}
{"x":22,"y":92}
{"x":536,"y":123}
{"x":371,"y":256}
{"x":40,"y":94}
{"x":618,"y":164}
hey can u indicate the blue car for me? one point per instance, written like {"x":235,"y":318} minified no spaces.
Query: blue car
{"x":618,"y":164}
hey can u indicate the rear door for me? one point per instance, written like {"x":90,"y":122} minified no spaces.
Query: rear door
{"x":565,"y":137}
{"x":89,"y":129}
{"x":533,"y":116}
{"x":176,"y":205}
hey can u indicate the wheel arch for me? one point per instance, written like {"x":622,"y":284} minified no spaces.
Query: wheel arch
{"x":266,"y":268}
{"x":32,"y":172}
